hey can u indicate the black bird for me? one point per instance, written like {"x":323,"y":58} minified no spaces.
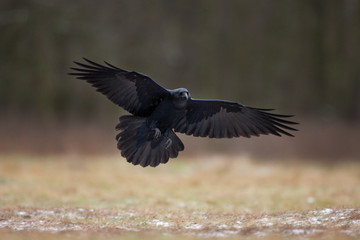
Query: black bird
{"x":148,"y":136}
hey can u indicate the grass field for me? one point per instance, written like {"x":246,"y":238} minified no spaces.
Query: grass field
{"x":71,"y":196}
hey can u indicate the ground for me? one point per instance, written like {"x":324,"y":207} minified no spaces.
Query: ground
{"x":87,"y":197}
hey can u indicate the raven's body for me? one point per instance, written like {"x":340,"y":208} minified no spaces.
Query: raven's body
{"x":164,"y":115}
{"x":147,"y":137}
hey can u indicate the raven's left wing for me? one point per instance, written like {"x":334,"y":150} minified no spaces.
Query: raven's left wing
{"x":133,"y":91}
{"x":221,"y":119}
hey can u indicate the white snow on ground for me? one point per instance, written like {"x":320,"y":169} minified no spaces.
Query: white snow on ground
{"x":314,"y":220}
{"x":22,"y":214}
{"x":159,"y":223}
{"x":38,"y":226}
{"x":127,"y":229}
{"x":194,"y":226}
{"x":297,"y":231}
{"x":238,"y":225}
{"x":320,"y":218}
{"x":355,"y":222}
{"x":222,"y":226}
{"x":266,"y":221}
{"x":345,"y":221}
{"x":45,"y":213}
{"x":73,"y":215}
{"x":323,"y":212}
{"x":326,"y":211}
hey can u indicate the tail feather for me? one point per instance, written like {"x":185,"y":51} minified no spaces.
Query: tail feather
{"x":143,"y":159}
{"x":137,"y":143}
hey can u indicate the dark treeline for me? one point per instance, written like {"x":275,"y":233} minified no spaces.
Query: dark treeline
{"x":298,"y":56}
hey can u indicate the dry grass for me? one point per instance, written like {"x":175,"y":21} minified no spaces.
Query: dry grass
{"x":87,"y":197}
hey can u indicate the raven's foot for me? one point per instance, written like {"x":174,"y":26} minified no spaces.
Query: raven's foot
{"x":168,"y":143}
{"x":157,"y":133}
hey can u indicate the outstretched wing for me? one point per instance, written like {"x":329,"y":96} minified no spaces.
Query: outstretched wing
{"x":135,"y":92}
{"x":223,"y":119}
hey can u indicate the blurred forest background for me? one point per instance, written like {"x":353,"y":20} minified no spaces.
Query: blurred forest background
{"x":301,"y":57}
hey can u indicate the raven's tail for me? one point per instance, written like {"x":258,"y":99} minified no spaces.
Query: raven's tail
{"x":139,"y":146}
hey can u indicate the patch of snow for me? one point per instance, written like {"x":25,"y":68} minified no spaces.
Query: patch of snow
{"x":45,"y":212}
{"x":238,"y":225}
{"x":337,"y":217}
{"x":73,"y":227}
{"x":323,"y":212}
{"x":326,"y":211}
{"x":38,"y":226}
{"x":297,"y":231}
{"x":355,"y":222}
{"x":159,"y":223}
{"x":127,"y":229}
{"x":222,"y":226}
{"x":314,"y":220}
{"x":73,"y":215}
{"x":55,"y":229}
{"x":266,"y":221}
{"x":290,"y":220}
{"x":23,"y":214}
{"x":194,"y":226}
{"x":4,"y":224}
{"x":296,"y":224}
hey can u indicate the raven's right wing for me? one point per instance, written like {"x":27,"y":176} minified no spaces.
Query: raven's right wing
{"x":135,"y":92}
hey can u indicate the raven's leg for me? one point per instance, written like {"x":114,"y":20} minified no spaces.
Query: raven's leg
{"x":168,"y":141}
{"x":157,"y":132}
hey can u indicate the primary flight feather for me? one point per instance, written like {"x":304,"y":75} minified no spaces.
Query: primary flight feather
{"x":147,"y":137}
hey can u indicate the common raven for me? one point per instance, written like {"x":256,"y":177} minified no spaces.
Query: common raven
{"x":148,"y":136}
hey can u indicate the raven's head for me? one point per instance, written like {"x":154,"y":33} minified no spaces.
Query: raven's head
{"x":180,"y":97}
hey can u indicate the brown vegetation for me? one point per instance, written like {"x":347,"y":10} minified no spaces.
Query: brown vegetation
{"x":210,"y":197}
